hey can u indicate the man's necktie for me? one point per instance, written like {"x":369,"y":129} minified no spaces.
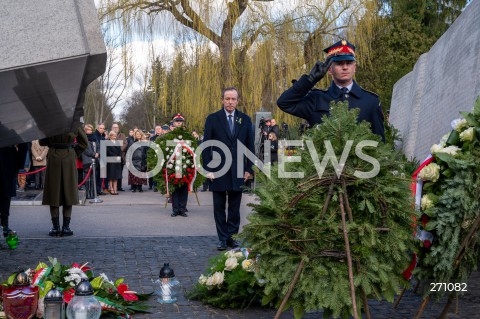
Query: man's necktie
{"x":230,"y":123}
{"x":344,"y":94}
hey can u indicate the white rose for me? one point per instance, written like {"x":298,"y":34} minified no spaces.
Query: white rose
{"x":187,"y":161}
{"x":169,"y":165}
{"x":180,"y":136}
{"x":435,"y":148}
{"x":167,"y":148}
{"x":426,"y":202}
{"x":247,"y":265}
{"x":184,"y":150}
{"x":431,"y":172}
{"x":184,"y":166}
{"x":216,"y":279}
{"x":459,"y":125}
{"x":177,"y":168}
{"x":231,"y":263}
{"x":202,"y":280}
{"x":178,"y":162}
{"x":450,"y":150}
{"x":467,"y":135}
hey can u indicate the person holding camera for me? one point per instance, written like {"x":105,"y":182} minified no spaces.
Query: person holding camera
{"x":300,"y":100}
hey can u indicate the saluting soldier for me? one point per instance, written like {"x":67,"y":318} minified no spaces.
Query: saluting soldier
{"x":300,"y":100}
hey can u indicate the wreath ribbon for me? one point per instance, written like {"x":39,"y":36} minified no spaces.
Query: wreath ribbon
{"x":181,"y":145}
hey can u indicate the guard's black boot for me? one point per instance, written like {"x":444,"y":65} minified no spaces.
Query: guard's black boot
{"x":66,"y":231}
{"x":55,"y":231}
{"x":6,"y":231}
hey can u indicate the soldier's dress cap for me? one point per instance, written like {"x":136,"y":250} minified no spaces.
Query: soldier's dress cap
{"x":341,"y":51}
{"x":178,"y":118}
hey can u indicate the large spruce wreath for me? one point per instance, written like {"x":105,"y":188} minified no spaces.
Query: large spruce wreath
{"x":324,"y":239}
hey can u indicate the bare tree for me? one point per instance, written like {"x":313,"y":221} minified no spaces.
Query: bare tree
{"x":193,"y":16}
{"x":108,"y":91}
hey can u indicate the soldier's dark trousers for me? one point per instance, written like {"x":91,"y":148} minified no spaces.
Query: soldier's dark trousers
{"x":179,"y":199}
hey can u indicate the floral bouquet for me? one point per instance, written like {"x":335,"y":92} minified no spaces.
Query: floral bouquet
{"x":179,"y":168}
{"x":230,"y":281}
{"x":115,"y":297}
{"x":446,"y":190}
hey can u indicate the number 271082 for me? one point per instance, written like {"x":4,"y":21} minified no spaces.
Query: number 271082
{"x":443,"y":286}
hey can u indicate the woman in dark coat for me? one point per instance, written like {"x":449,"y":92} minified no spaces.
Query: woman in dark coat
{"x":61,"y":177}
{"x":12,"y":159}
{"x":88,"y":156}
{"x":114,"y":170}
{"x":273,"y":147}
{"x":139,"y":161}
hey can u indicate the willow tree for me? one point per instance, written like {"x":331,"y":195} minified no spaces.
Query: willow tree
{"x":195,"y":15}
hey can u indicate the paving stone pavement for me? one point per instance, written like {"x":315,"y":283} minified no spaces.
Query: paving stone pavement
{"x":132,"y":235}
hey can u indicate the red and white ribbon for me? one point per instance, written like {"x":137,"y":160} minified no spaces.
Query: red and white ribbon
{"x":181,"y":145}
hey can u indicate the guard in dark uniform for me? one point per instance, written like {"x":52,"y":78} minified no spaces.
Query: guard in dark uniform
{"x":300,"y":100}
{"x":180,"y":195}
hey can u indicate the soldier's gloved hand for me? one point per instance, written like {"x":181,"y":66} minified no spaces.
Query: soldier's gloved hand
{"x":319,"y":70}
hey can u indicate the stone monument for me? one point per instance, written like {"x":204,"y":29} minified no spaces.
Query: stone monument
{"x":444,"y":81}
{"x":50,"y":51}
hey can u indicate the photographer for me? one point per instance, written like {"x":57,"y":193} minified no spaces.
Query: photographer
{"x":274,"y":127}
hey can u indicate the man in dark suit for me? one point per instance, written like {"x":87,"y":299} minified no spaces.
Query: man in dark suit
{"x":12,"y":159}
{"x":227,"y":127}
{"x":300,"y":100}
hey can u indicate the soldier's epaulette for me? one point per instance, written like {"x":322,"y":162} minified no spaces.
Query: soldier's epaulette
{"x":373,"y":93}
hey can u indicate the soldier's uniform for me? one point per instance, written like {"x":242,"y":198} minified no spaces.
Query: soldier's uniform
{"x":179,"y":197}
{"x":300,"y":100}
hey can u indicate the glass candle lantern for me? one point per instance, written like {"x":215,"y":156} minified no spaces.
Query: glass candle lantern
{"x":167,"y":285}
{"x":84,"y":305}
{"x":54,"y":307}
{"x":12,"y":240}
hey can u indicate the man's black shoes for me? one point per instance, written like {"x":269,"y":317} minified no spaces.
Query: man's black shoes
{"x":222,"y":245}
{"x":232,"y":243}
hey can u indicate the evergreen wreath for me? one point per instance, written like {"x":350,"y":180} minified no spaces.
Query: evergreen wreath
{"x":175,"y":173}
{"x":332,"y":241}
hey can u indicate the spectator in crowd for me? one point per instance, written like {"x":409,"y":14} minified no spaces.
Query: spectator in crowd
{"x":88,"y":156}
{"x":114,"y":170}
{"x":39,"y":161}
{"x":230,"y":127}
{"x":22,"y":178}
{"x":123,"y":138}
{"x":273,"y":147}
{"x":130,"y":136}
{"x":158,"y":132}
{"x":139,"y":161}
{"x":99,"y":137}
{"x":165,"y":129}
{"x":61,"y":178}
{"x":12,"y":158}
{"x":274,"y":128}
